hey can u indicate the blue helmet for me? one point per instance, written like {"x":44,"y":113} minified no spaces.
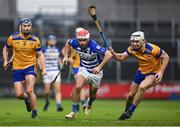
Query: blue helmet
{"x":25,"y":21}
{"x":51,"y":37}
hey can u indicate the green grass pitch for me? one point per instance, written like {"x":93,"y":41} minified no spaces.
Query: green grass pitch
{"x":105,"y":113}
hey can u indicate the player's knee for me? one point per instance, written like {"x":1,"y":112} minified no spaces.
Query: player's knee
{"x":131,"y":95}
{"x":29,"y":90}
{"x":93,"y":97}
{"x":78,"y":88}
{"x":57,"y":91}
{"x":46,"y":92}
{"x":142,"y":88}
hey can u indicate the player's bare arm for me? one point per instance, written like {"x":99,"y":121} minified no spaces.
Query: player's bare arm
{"x":106,"y":58}
{"x":64,"y":52}
{"x":119,"y":56}
{"x":67,"y":48}
{"x":164,"y":61}
{"x":42,"y":62}
{"x":5,"y":57}
{"x":59,"y":61}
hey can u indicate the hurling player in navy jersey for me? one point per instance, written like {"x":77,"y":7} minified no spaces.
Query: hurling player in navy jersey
{"x":93,"y":57}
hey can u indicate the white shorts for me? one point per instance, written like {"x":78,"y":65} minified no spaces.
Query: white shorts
{"x":50,"y":77}
{"x":93,"y":79}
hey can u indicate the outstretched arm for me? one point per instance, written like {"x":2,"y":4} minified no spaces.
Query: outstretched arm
{"x":119,"y":56}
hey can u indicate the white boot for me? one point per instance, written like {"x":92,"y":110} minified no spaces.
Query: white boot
{"x":71,"y":115}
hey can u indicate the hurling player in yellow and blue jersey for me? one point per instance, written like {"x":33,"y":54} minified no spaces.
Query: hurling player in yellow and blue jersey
{"x":26,"y":49}
{"x":152,"y":62}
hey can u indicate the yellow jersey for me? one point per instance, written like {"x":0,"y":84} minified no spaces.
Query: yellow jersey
{"x":75,"y":57}
{"x":149,"y":60}
{"x":24,"y":50}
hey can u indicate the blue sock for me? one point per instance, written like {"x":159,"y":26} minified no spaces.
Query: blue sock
{"x":26,"y":99}
{"x":74,"y":107}
{"x":132,"y":108}
{"x":58,"y":104}
{"x":90,"y":102}
{"x":34,"y":112}
{"x":83,"y":102}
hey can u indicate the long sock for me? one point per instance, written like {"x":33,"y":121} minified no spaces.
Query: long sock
{"x":78,"y":107}
{"x":47,"y":99}
{"x":83,"y":102}
{"x":90,"y":102}
{"x":34,"y":112}
{"x":128,"y":103}
{"x":74,"y":107}
{"x":58,"y":104}
{"x":26,"y":99}
{"x":132,"y":107}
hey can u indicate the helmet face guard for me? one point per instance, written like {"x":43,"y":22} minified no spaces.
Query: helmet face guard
{"x":23,"y":22}
{"x":83,"y":38}
{"x":137,"y":40}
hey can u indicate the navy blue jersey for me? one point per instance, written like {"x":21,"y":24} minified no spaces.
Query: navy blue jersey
{"x":51,"y":55}
{"x":91,"y":56}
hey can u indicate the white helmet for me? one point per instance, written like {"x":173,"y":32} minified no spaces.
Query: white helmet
{"x":136,"y":36}
{"x":83,"y":34}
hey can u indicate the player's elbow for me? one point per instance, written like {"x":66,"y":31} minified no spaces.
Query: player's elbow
{"x":41,"y":57}
{"x":5,"y":49}
{"x":29,"y":90}
{"x":109,"y":54}
{"x":120,"y":59}
{"x":165,"y":56}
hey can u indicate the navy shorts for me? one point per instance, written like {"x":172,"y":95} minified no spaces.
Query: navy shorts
{"x":75,"y":70}
{"x":139,"y":77}
{"x":19,"y":75}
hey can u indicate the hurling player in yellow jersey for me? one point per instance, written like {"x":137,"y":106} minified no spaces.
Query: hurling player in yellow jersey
{"x":26,"y":48}
{"x":152,"y":64}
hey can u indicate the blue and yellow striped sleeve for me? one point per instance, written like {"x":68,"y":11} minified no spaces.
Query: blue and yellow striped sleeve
{"x":156,"y":51}
{"x":128,"y":51}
